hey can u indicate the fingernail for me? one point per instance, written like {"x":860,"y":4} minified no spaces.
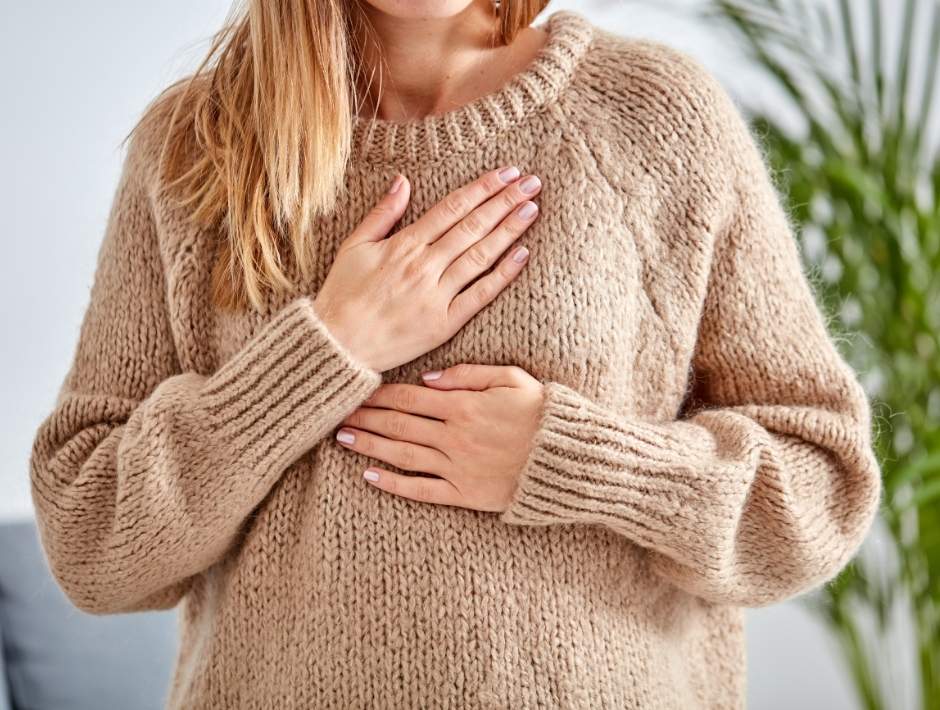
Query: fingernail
{"x":530,"y":184}
{"x":370,"y":475}
{"x":432,"y":375}
{"x":520,"y":255}
{"x":347,"y":437}
{"x":509,"y":174}
{"x":528,"y":209}
{"x":396,"y":183}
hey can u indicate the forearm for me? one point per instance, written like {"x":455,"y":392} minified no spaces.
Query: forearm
{"x":745,"y":505}
{"x":134,"y":497}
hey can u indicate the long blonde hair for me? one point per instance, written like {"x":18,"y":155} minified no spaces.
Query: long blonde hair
{"x":257,"y":138}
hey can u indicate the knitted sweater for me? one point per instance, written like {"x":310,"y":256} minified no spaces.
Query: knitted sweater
{"x":702,"y":445}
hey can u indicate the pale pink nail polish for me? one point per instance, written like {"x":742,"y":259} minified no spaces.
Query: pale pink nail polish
{"x":347,"y":437}
{"x":432,"y":375}
{"x":527,"y":209}
{"x":508,"y":174}
{"x":520,"y":255}
{"x":530,"y":184}
{"x":370,"y":475}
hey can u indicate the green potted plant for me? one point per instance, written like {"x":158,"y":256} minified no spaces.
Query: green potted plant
{"x":861,"y":181}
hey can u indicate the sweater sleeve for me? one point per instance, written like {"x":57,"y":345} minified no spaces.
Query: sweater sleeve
{"x":142,"y":473}
{"x":766,"y":483}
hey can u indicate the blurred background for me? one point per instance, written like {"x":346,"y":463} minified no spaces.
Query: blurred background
{"x":842,"y":94}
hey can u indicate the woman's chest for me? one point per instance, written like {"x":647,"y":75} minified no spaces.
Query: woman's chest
{"x":583,"y":311}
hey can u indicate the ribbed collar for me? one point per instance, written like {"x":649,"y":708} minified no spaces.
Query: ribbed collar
{"x":430,"y":138}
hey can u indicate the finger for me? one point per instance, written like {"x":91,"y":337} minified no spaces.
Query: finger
{"x":414,"y":399}
{"x":382,"y":217}
{"x":457,"y":204}
{"x":423,"y":489}
{"x":484,"y":253}
{"x":484,"y":219}
{"x":473,"y":376}
{"x":393,"y":424}
{"x":471,"y":300}
{"x":403,"y":454}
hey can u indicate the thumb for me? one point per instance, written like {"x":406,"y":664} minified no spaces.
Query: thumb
{"x":382,"y":217}
{"x":471,"y":376}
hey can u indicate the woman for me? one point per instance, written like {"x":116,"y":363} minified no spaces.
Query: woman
{"x":380,"y":462}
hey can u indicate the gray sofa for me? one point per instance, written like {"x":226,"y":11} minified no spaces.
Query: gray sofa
{"x":55,"y":657}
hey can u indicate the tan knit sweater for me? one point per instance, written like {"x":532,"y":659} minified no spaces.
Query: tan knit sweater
{"x":703,"y":447}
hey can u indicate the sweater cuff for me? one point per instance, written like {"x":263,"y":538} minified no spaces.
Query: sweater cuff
{"x":587,"y":466}
{"x":290,"y":384}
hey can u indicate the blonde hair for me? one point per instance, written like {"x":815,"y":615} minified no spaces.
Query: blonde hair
{"x":257,"y":138}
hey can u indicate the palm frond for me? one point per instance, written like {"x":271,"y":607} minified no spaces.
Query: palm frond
{"x":865,"y":154}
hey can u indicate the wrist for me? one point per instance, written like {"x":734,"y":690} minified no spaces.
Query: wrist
{"x":333,"y":323}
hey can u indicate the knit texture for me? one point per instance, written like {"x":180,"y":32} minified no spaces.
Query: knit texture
{"x":702,"y":447}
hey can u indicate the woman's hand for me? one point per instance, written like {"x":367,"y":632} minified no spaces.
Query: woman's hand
{"x":390,"y":300}
{"x":472,"y":426}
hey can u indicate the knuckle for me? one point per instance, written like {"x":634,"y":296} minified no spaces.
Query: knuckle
{"x":476,"y":255}
{"x":403,"y":399}
{"x":483,"y":293}
{"x":422,"y":492}
{"x":472,"y":225}
{"x":510,"y":198}
{"x":382,"y":208}
{"x":492,"y":182}
{"x":455,"y":205}
{"x":503,"y":233}
{"x":405,"y":235}
{"x":413,"y":269}
{"x":397,"y":426}
{"x":463,"y":371}
{"x":505,"y":269}
{"x":406,"y":457}
{"x":400,"y":247}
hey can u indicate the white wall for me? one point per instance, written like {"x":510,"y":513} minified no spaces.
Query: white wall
{"x":75,"y":77}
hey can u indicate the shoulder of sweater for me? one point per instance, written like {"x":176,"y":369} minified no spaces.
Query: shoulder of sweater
{"x":144,"y":166}
{"x":662,"y":97}
{"x":659,"y":123}
{"x":144,"y":148}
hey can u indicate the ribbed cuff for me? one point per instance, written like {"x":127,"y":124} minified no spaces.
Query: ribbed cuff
{"x":639,"y":478}
{"x":288,"y":386}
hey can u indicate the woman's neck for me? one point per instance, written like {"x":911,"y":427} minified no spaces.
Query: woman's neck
{"x":436,"y":64}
